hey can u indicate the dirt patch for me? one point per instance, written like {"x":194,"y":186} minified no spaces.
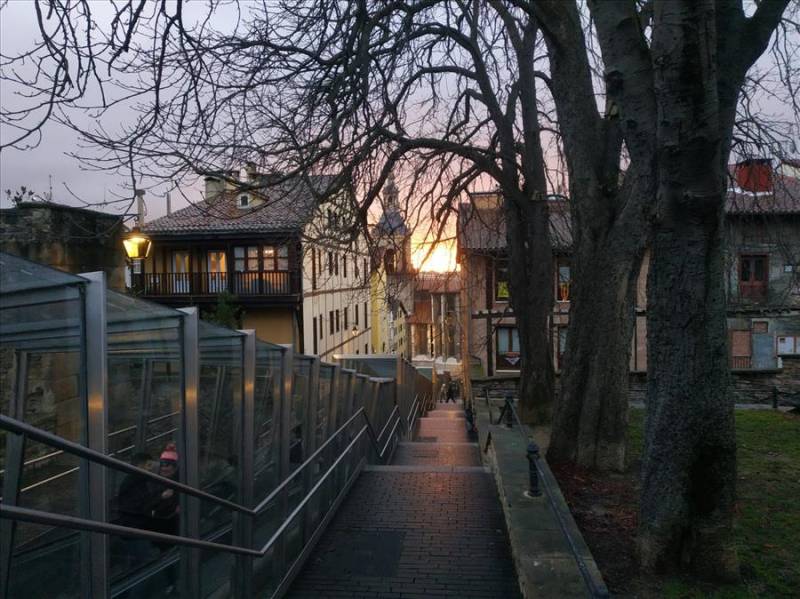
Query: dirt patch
{"x":606,"y":507}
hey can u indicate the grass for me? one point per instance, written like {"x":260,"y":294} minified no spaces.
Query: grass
{"x":767,"y":524}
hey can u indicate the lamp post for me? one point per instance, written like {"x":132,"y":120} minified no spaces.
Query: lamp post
{"x":354,"y":333}
{"x":137,"y":244}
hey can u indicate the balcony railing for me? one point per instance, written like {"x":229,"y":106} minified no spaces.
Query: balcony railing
{"x":212,"y":283}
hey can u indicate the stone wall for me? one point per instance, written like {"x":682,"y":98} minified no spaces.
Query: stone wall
{"x":70,"y":239}
{"x":748,"y":386}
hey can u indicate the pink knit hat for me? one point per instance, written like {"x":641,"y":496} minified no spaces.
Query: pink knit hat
{"x":170,"y":453}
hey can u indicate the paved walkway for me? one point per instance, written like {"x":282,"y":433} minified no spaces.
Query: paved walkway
{"x":429,"y":525}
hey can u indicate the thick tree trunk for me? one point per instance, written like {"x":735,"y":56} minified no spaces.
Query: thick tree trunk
{"x":531,"y":285}
{"x":689,"y":467}
{"x":591,"y":415}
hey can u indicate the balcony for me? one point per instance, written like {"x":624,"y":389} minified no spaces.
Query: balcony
{"x":256,"y":284}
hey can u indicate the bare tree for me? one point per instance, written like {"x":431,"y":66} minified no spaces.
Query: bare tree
{"x":448,"y":89}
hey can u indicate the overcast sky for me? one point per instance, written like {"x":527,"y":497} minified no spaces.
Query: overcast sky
{"x":50,"y":164}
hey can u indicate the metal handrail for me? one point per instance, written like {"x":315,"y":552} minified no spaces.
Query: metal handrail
{"x":41,"y":517}
{"x":16,"y":426}
{"x":582,"y":567}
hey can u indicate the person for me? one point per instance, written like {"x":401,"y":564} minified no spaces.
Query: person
{"x":451,"y":393}
{"x":165,"y":511}
{"x":137,"y":495}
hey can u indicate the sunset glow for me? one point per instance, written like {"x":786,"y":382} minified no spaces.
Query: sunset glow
{"x":441,"y":259}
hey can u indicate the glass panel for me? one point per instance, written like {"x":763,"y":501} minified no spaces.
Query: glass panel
{"x":219,"y":412}
{"x":283,"y":258}
{"x":515,"y":340}
{"x":145,"y":381}
{"x":745,"y":274}
{"x":760,"y":269}
{"x":42,"y":382}
{"x":503,"y":341}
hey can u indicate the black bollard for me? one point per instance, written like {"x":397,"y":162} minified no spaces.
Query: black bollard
{"x":533,"y":473}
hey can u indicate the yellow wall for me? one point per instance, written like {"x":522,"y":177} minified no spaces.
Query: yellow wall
{"x":275,"y":325}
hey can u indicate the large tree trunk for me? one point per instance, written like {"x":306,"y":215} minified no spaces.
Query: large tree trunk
{"x":689,"y":466}
{"x":531,"y":284}
{"x":591,"y":416}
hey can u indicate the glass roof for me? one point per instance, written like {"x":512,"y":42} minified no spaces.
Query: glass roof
{"x":19,"y":274}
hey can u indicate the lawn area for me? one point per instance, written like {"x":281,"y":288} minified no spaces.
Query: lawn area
{"x":767,"y":524}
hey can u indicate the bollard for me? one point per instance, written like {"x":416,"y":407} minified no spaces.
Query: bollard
{"x":509,"y":410}
{"x":533,"y":473}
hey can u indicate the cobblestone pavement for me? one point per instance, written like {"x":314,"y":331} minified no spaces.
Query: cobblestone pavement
{"x":416,"y":529}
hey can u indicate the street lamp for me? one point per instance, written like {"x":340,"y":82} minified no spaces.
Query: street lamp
{"x":137,"y":244}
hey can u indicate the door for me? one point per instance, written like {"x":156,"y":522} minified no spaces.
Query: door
{"x":753,"y":273}
{"x":180,"y":271}
{"x":217,"y":271}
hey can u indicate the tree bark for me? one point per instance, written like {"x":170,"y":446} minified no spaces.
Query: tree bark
{"x":531,"y":286}
{"x":591,"y":416}
{"x":689,"y":465}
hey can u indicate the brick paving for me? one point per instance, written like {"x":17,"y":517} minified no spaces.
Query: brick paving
{"x":417,"y":529}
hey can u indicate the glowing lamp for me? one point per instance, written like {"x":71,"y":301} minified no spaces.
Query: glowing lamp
{"x":137,"y":245}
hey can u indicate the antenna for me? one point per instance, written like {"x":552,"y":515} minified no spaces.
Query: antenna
{"x":50,"y":187}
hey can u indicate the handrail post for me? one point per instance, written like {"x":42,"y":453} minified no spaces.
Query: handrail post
{"x":287,"y":370}
{"x":96,"y":429}
{"x":509,"y":411}
{"x":190,"y":451}
{"x":243,"y":524}
{"x":533,"y":473}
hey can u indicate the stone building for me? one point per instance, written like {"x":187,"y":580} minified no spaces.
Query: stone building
{"x":279,"y":252}
{"x":71,"y":239}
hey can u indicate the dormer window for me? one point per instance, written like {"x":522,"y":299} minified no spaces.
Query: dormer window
{"x":244,"y":200}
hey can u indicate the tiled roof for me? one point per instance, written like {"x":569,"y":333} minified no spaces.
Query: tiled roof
{"x":784,"y":199}
{"x":288,"y":206}
{"x":482,"y":225}
{"x":438,"y":282}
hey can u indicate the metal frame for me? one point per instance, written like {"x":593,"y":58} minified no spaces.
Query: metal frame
{"x":97,"y":425}
{"x":189,"y":455}
{"x":351,"y":397}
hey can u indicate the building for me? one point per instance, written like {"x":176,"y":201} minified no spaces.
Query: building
{"x":763,"y":264}
{"x":275,"y":250}
{"x":392,"y":280}
{"x":434,"y":326}
{"x":762,"y":229}
{"x":492,"y":340}
{"x":71,"y":239}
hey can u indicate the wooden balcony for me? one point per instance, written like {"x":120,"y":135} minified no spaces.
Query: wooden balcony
{"x":246,"y":284}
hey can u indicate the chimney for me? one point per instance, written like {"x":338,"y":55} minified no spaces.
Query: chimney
{"x":139,"y":193}
{"x":169,"y":204}
{"x":214,"y":187}
{"x":754,"y":174}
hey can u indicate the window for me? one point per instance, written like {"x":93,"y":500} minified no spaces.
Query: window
{"x":366,"y":319}
{"x":501,"y":291}
{"x":355,"y":265}
{"x":276,"y":257}
{"x":337,"y":321}
{"x":321,"y":326}
{"x":330,"y":263}
{"x":507,"y":348}
{"x":788,"y":268}
{"x":336,"y":264}
{"x":344,"y":265}
{"x":355,"y":310}
{"x":760,"y":326}
{"x":346,"y":324}
{"x":314,"y":334}
{"x":366,"y":348}
{"x":741,"y":349}
{"x":753,"y":272}
{"x":313,"y":269}
{"x":366,"y":270}
{"x":563,"y":279}
{"x":330,"y":321}
{"x":788,"y":344}
{"x":244,"y":201}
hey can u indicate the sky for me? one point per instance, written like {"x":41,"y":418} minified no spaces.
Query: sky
{"x":48,"y":168}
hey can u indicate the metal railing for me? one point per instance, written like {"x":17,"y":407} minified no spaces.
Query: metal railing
{"x":380,"y":444}
{"x":211,"y":283}
{"x":508,"y":415}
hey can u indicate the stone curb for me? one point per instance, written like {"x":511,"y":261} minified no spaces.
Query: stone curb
{"x":550,"y":554}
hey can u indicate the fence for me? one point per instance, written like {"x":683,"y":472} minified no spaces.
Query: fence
{"x":146,"y":452}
